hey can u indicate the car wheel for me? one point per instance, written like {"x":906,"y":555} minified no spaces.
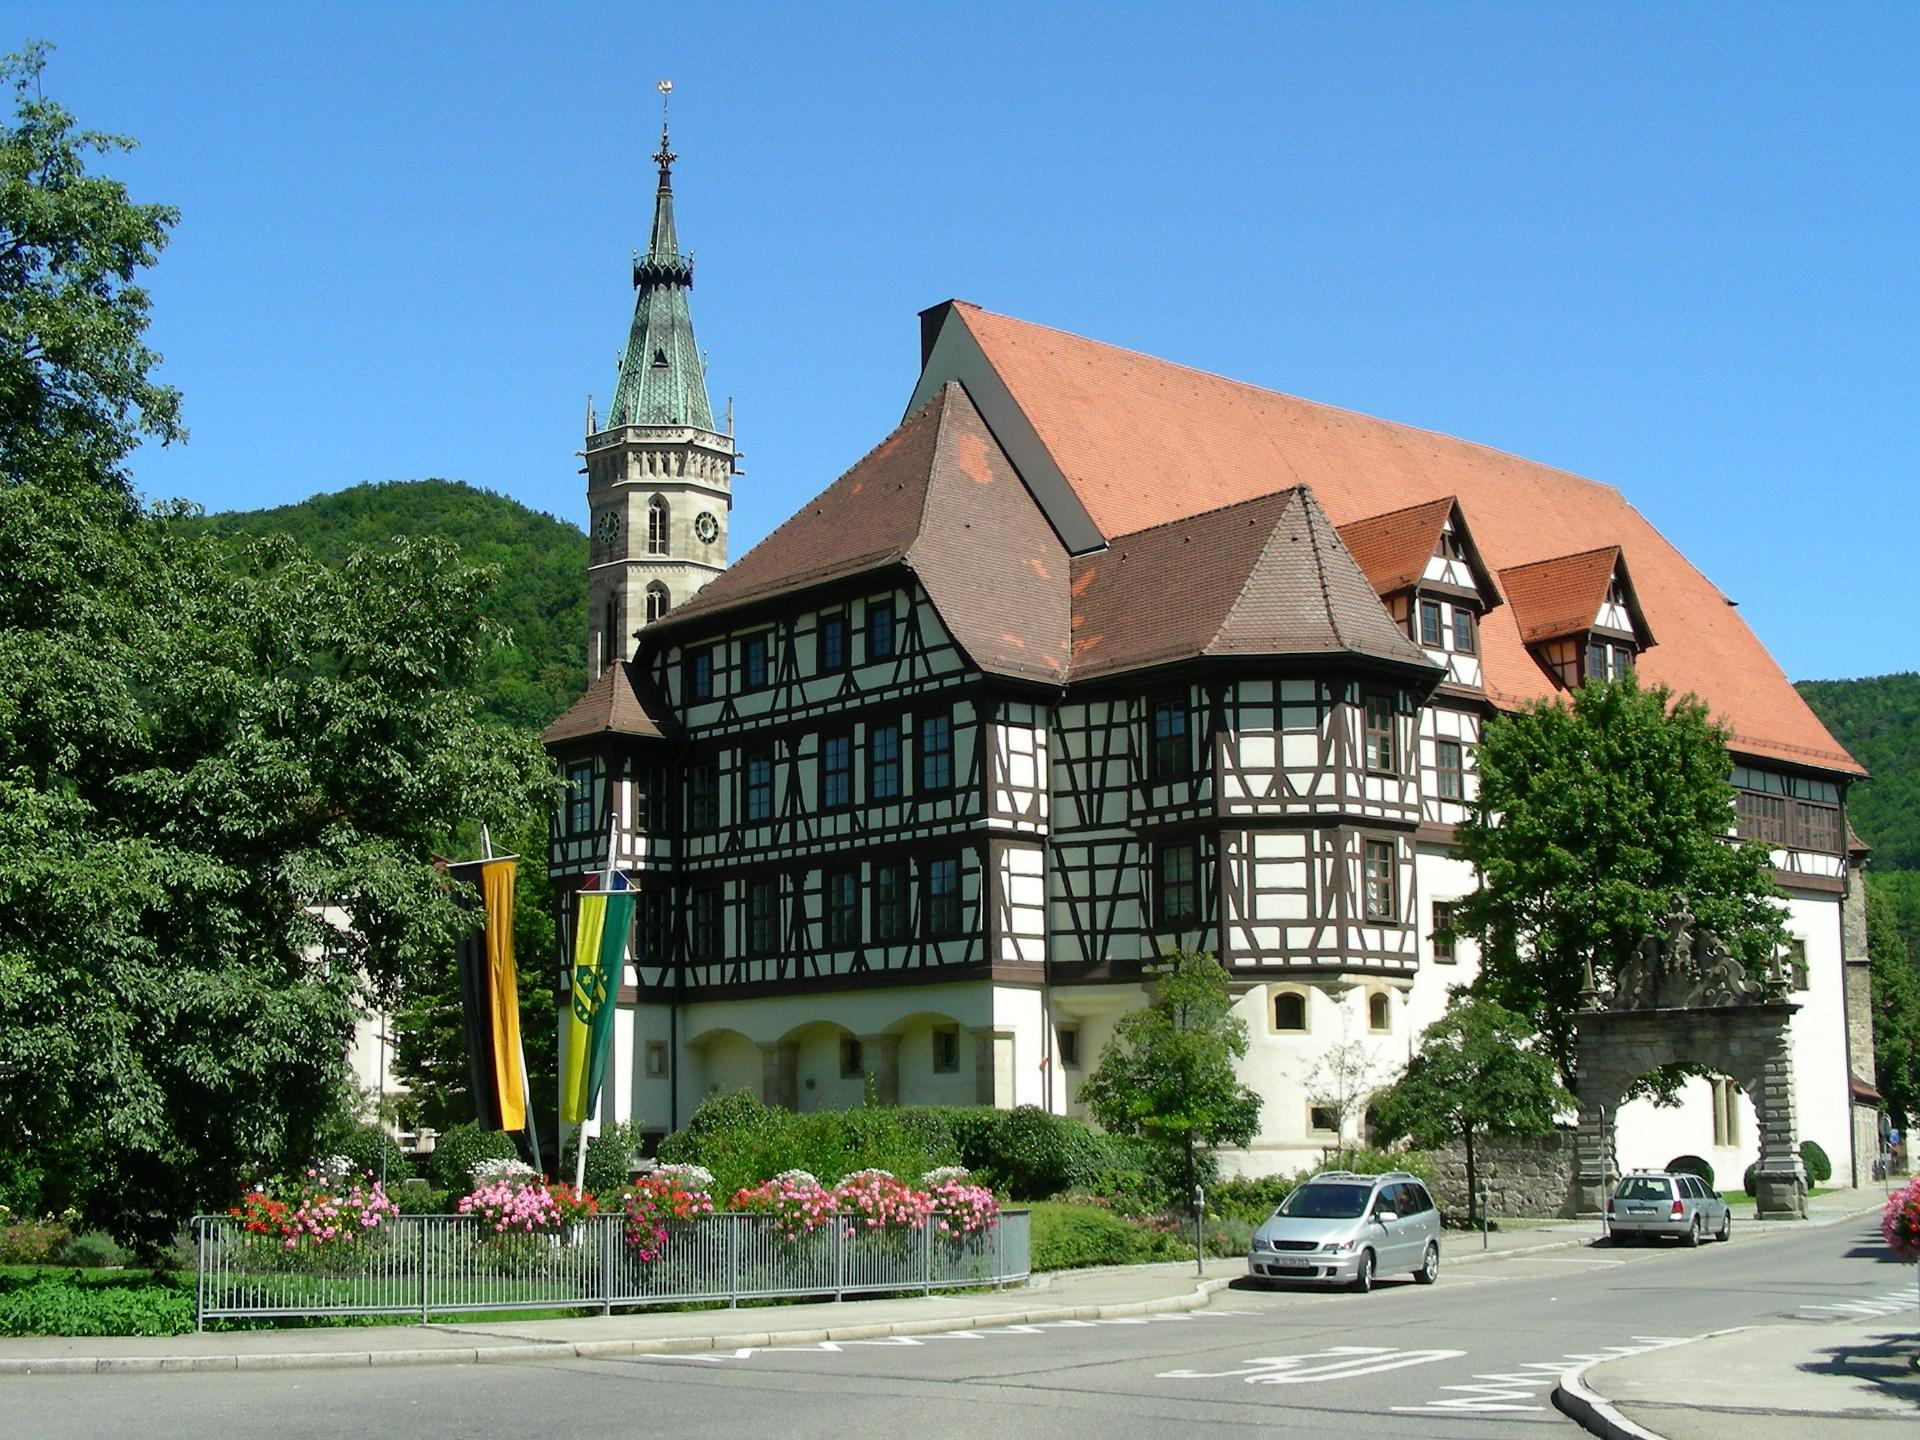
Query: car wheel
{"x":1429,"y":1270}
{"x":1363,"y":1277}
{"x":1692,"y":1237}
{"x":1725,"y":1232}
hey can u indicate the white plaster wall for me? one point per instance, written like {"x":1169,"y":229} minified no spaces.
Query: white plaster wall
{"x":920,"y":1083}
{"x":1647,"y":1136}
{"x":1021,"y":1009}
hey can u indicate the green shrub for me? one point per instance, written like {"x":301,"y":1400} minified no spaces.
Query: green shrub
{"x":450,"y":1166}
{"x":609,"y":1158}
{"x":1070,"y":1237}
{"x":60,"y":1305}
{"x":1249,"y":1200}
{"x":1815,"y":1162}
{"x":371,"y":1151}
{"x":417,"y":1197}
{"x":1692,"y":1165}
{"x":744,"y":1142}
{"x":92,"y":1251}
{"x":1747,"y":1182}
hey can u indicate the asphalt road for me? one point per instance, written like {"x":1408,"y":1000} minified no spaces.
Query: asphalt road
{"x":1475,"y":1355}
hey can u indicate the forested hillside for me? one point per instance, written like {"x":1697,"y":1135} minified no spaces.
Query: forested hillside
{"x":1878,"y":719}
{"x":540,"y":595}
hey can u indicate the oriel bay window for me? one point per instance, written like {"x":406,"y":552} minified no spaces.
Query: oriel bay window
{"x":1378,"y":880}
{"x":763,"y":915}
{"x":836,"y":771}
{"x":883,"y":760}
{"x":1787,"y":811}
{"x":935,"y":749}
{"x":942,"y":877}
{"x":1170,"y":756}
{"x":843,"y":908}
{"x":757,"y":793}
{"x":1379,"y":747}
{"x":890,"y":914}
{"x":1176,"y":891}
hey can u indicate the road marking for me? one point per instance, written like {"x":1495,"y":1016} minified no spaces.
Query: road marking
{"x":1342,"y":1362}
{"x":840,"y":1347}
{"x":1501,"y":1392}
{"x":1891,"y":1303}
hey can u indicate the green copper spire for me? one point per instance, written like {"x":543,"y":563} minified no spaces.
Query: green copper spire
{"x":662,"y":381}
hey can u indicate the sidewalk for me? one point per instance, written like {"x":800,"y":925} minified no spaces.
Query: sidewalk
{"x":1845,"y":1380}
{"x":1106,"y":1294}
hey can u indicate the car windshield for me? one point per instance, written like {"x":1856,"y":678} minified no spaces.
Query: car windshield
{"x":1641,"y":1187}
{"x":1326,"y":1202}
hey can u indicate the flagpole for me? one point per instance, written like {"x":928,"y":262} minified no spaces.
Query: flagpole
{"x":526,"y":1085}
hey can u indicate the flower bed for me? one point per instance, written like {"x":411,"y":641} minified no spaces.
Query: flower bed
{"x":1900,"y":1222}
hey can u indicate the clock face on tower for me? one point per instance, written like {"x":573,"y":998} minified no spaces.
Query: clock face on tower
{"x":609,"y":525}
{"x":706,"y":527}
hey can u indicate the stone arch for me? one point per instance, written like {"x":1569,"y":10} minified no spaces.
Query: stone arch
{"x":1748,"y":1043}
{"x":659,"y":601}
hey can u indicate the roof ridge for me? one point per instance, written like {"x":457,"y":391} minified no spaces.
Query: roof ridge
{"x":1260,"y":499}
{"x":1289,"y":395}
{"x":1312,"y":507}
{"x":1451,"y":501}
{"x":942,"y":397}
{"x":1616,"y":547}
{"x":1246,"y":583}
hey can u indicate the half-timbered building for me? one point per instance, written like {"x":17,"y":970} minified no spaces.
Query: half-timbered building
{"x":1093,"y":656}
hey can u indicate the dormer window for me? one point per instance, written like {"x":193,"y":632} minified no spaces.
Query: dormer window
{"x":1579,"y":615}
{"x":1464,"y":640}
{"x":1430,"y":624}
{"x":1607,"y":659}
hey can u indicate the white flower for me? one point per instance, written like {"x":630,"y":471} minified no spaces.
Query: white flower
{"x":797,"y":1177}
{"x":947,"y":1174}
{"x":690,"y":1177}
{"x":487,"y":1172}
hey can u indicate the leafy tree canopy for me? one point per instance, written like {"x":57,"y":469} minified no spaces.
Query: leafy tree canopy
{"x":1477,"y":1072}
{"x":1878,"y":719}
{"x":1595,"y":819}
{"x":1893,"y":951}
{"x":195,"y":757}
{"x":1167,"y":1076}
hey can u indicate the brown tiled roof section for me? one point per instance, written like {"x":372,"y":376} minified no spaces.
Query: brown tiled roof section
{"x":623,"y":701}
{"x":1268,"y":576}
{"x":941,"y":497}
{"x":1556,"y":597}
{"x":1393,"y":549}
{"x":1144,"y":442}
{"x":863,"y":521}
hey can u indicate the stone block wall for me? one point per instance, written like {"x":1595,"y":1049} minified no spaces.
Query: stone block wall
{"x":1528,"y":1176}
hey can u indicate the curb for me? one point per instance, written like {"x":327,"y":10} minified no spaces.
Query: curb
{"x":1594,"y":1413}
{"x":1201,"y":1296}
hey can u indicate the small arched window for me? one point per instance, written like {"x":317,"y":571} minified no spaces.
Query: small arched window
{"x":658,"y":521}
{"x":1289,"y":1010}
{"x":1379,"y":1015}
{"x":658,"y":601}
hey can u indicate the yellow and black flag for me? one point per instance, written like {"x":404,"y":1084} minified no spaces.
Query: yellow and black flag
{"x":490,"y":998}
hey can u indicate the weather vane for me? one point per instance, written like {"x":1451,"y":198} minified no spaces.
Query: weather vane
{"x":666,"y":157}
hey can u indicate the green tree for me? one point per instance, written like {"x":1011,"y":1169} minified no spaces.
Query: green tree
{"x":1167,"y":1077}
{"x":1477,"y":1072}
{"x":1896,"y":1003}
{"x":1595,"y":820}
{"x":195,"y":757}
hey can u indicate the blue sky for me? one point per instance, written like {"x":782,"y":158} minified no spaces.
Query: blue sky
{"x":1669,"y":247}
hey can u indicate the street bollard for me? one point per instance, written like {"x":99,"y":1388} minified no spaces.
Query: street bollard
{"x":1199,"y":1230}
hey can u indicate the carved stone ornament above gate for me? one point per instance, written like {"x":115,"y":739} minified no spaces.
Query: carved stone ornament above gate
{"x":1687,"y":968}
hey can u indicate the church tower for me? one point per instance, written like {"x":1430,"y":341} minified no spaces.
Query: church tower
{"x":659,"y":474}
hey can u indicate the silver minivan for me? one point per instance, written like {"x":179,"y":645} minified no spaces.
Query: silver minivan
{"x":1339,"y":1228}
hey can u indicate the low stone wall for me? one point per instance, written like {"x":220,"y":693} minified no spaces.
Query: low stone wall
{"x":1531,"y":1177}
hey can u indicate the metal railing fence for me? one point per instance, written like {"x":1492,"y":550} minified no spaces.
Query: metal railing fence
{"x":423,"y":1264}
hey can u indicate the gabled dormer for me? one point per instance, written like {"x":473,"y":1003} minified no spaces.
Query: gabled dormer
{"x":1578,"y":615}
{"x":1423,"y":564}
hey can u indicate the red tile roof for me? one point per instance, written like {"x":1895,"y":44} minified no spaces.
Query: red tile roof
{"x":1556,"y":597}
{"x":623,"y":701}
{"x":1393,"y":549}
{"x":1143,"y":442}
{"x":1265,"y":577}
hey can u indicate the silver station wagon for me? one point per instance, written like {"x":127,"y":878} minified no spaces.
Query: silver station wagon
{"x":1338,"y":1228}
{"x":1651,"y":1203}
